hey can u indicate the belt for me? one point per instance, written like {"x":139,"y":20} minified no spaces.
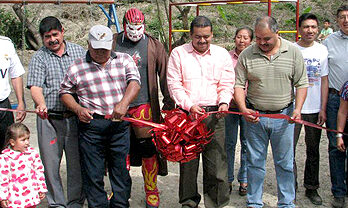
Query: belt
{"x":98,"y":116}
{"x":274,"y":112}
{"x":59,"y":115}
{"x":333,"y":91}
{"x":5,"y":100}
{"x":210,"y":108}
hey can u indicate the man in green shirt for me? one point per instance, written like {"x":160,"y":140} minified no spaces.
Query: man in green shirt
{"x":272,"y":68}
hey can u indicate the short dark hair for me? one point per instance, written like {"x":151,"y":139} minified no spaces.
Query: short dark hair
{"x":327,"y":20}
{"x":267,"y":21}
{"x":307,"y":16}
{"x":343,"y":7}
{"x":250,"y":31}
{"x":49,"y":23}
{"x":201,"y":21}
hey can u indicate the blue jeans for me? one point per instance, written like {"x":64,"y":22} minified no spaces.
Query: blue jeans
{"x":337,"y":159}
{"x":231,"y":134}
{"x":103,"y":140}
{"x":280,"y":133}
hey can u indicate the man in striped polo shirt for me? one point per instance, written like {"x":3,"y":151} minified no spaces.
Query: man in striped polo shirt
{"x":272,"y":67}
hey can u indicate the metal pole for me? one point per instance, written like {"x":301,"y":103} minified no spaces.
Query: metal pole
{"x":269,"y":7}
{"x":113,"y":8}
{"x":297,"y":17}
{"x":57,"y":1}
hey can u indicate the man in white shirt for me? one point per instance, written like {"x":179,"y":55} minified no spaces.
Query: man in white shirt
{"x":314,"y":108}
{"x":10,"y":66}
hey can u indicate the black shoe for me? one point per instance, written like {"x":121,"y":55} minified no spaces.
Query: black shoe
{"x":230,"y":186}
{"x":314,"y":197}
{"x":243,"y":190}
{"x":338,"y":202}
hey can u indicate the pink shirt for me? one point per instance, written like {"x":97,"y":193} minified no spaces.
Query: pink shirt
{"x":200,"y":79}
{"x":234,"y":57}
{"x":22,"y":177}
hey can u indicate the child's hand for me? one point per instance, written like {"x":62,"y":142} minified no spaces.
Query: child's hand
{"x":4,"y":203}
{"x":42,"y":195}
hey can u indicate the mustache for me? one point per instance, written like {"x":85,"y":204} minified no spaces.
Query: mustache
{"x":53,"y":42}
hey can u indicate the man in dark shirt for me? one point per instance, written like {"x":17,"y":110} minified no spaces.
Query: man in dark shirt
{"x":151,"y":60}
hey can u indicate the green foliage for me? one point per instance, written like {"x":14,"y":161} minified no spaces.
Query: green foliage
{"x":11,"y":27}
{"x":153,"y":27}
{"x":292,"y":8}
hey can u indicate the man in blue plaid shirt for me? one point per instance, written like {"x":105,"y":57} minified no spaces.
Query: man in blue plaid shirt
{"x":58,"y":133}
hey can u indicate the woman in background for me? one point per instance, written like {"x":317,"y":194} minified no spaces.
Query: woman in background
{"x":242,"y":38}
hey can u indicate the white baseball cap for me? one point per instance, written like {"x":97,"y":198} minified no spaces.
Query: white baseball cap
{"x":100,"y":37}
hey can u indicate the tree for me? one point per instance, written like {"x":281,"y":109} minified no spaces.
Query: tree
{"x":32,"y":36}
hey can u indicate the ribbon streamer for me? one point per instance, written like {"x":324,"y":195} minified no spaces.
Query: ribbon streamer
{"x":181,"y":138}
{"x":282,"y":116}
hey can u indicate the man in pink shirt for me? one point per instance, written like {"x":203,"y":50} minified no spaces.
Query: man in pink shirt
{"x":201,"y":79}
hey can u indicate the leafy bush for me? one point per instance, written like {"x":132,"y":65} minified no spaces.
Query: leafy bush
{"x":11,"y":27}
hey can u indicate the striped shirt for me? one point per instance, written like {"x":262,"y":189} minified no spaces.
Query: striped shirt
{"x":47,"y":70}
{"x":99,"y":88}
{"x":271,"y":81}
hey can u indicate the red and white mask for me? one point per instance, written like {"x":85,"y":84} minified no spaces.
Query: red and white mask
{"x":133,"y":24}
{"x":134,"y":32}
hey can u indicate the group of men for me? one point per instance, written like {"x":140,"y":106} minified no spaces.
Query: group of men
{"x":86,"y":93}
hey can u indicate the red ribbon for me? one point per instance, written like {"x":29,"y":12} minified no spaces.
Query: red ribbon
{"x":282,"y":116}
{"x":182,"y":138}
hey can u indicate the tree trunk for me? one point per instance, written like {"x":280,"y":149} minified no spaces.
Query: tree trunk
{"x":33,"y":38}
{"x":184,"y":11}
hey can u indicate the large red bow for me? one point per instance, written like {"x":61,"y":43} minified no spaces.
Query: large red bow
{"x":183,"y":139}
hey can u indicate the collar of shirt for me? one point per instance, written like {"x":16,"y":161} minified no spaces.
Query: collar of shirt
{"x":283,"y":48}
{"x":67,"y":49}
{"x":234,"y":57}
{"x":90,"y":60}
{"x":191,"y":49}
{"x":234,"y":54}
{"x":342,"y":35}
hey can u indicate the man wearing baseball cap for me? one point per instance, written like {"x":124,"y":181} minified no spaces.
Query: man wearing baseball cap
{"x":105,"y":83}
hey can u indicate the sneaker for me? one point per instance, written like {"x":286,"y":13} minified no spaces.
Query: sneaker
{"x":338,"y":202}
{"x":314,"y":197}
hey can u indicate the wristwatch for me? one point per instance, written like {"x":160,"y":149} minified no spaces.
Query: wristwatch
{"x":339,"y":135}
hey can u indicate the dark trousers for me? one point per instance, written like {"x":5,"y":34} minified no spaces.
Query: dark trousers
{"x":337,"y":159}
{"x":6,"y":119}
{"x":103,"y":140}
{"x":215,"y":182}
{"x":312,"y":140}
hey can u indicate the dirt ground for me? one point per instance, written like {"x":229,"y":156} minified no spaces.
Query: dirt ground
{"x":168,"y":185}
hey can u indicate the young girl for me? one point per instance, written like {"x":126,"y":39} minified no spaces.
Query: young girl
{"x":22,"y":180}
